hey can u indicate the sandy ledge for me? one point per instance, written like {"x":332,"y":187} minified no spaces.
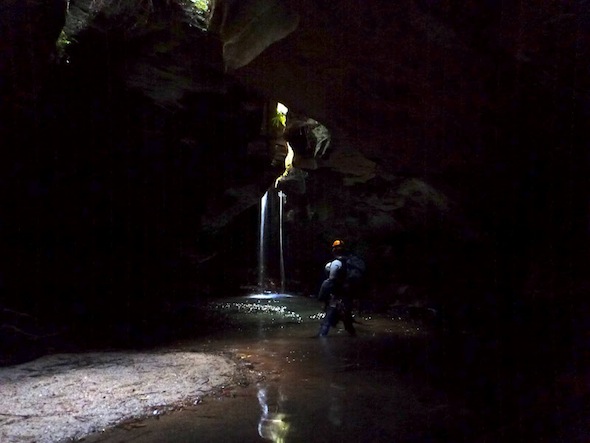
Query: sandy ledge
{"x":65,"y":397}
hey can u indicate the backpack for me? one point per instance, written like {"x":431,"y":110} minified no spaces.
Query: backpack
{"x":353,"y":272}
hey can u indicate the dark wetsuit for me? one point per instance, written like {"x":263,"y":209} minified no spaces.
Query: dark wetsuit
{"x":337,"y":297}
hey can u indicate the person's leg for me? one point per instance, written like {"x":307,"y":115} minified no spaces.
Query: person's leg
{"x":326,"y":289}
{"x":329,"y":320}
{"x":348,"y":320}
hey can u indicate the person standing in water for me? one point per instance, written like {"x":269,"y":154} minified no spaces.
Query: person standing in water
{"x":340,"y":288}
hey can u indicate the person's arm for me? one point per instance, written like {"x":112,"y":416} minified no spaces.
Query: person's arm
{"x":334,"y":268}
{"x":328,"y":284}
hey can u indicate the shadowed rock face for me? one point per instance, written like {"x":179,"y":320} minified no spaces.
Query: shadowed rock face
{"x":124,"y":165}
{"x":485,"y":102}
{"x":458,"y":155}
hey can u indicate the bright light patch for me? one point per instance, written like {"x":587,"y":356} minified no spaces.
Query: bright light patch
{"x":272,"y":425}
{"x":289,"y":158}
{"x":280,"y":117}
{"x":288,"y":164}
{"x":202,"y":5}
{"x":268,"y":296}
{"x":270,"y":308}
{"x":282,"y":109}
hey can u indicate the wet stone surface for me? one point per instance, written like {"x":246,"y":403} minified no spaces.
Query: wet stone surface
{"x":67,"y":396}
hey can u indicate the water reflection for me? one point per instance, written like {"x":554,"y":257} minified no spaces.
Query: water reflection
{"x":335,"y":414}
{"x":267,"y":295}
{"x":272,"y":424}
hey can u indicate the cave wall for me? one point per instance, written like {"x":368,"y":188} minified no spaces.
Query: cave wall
{"x":123,"y":164}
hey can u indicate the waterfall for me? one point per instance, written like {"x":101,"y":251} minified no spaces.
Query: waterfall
{"x":281,"y":249}
{"x":261,"y":241}
{"x":271,"y":258}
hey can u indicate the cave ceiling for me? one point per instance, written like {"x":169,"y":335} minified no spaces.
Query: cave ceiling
{"x":417,"y":86}
{"x":424,"y":86}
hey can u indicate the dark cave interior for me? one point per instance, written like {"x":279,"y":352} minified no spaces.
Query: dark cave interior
{"x":133,"y":166}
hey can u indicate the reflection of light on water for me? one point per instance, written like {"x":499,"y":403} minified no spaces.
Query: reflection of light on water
{"x":268,"y":296}
{"x":260,"y":308}
{"x":336,"y":400}
{"x":318,"y":316}
{"x":272,"y":425}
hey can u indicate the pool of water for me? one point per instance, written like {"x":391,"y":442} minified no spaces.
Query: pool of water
{"x":391,"y":383}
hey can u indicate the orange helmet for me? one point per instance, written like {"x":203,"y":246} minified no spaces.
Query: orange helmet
{"x":338,"y":244}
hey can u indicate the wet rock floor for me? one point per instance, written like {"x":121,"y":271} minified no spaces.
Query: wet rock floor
{"x":395,"y":381}
{"x":403,"y":379}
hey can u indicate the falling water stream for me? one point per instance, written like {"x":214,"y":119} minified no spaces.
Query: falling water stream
{"x":282,"y":198}
{"x":267,"y":242}
{"x":261,"y":239}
